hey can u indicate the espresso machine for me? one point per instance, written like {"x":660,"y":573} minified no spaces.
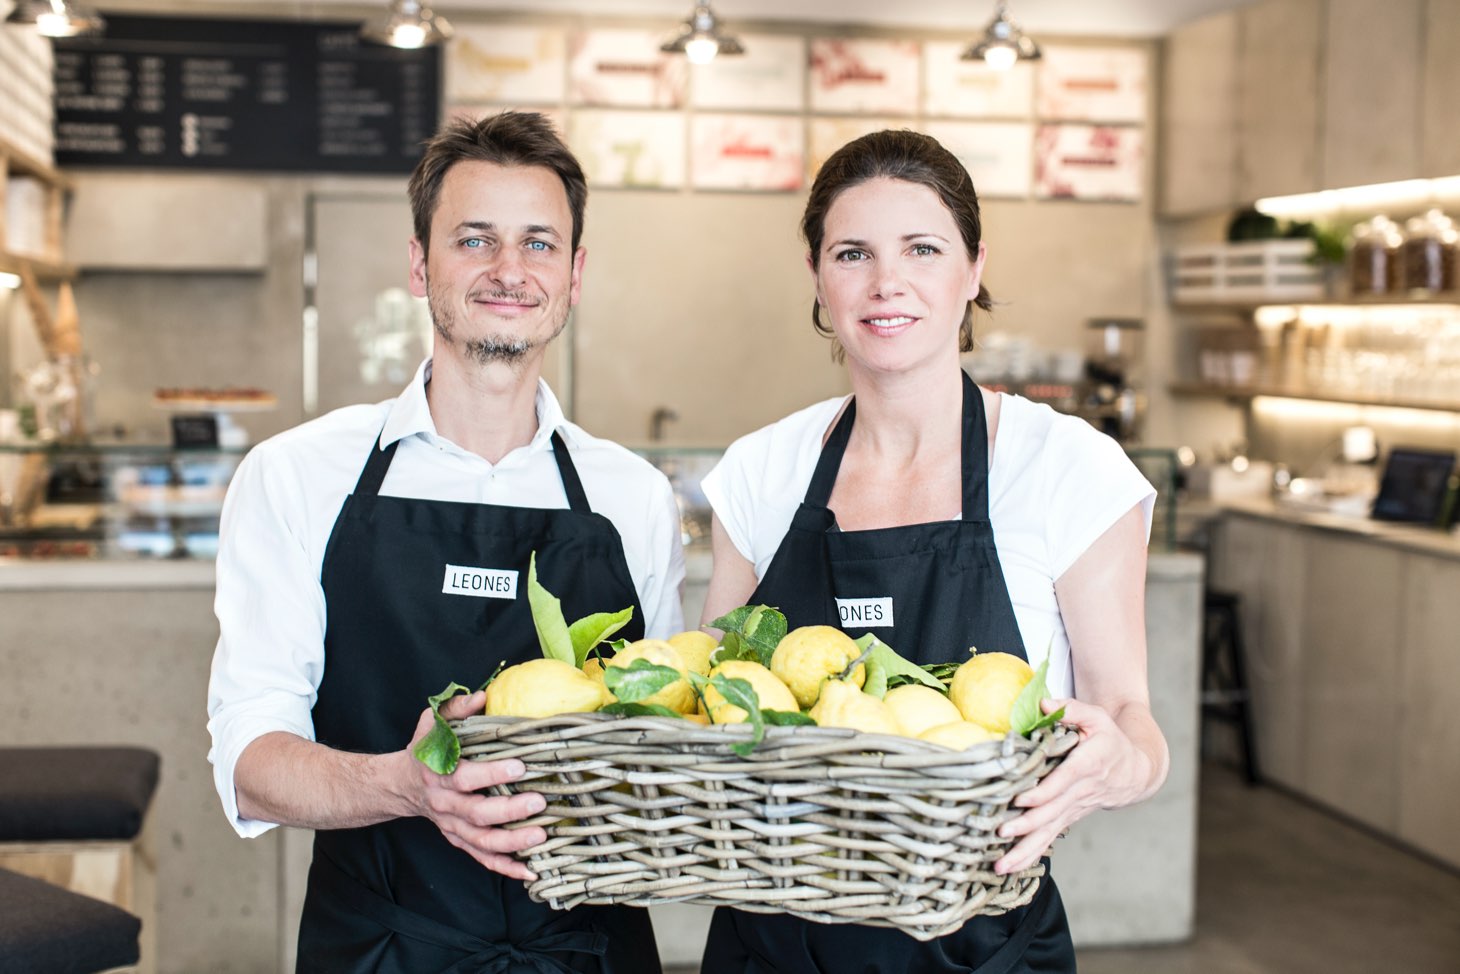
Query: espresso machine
{"x":1112,"y":399}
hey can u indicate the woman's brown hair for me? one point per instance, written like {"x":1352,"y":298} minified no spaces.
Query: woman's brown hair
{"x":911,"y":157}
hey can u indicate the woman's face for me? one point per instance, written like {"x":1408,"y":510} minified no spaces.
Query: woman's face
{"x":894,"y":275}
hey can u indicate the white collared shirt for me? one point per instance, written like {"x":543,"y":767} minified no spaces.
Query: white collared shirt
{"x":281,"y":508}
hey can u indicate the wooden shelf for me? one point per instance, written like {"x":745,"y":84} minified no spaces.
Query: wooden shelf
{"x":21,"y":164}
{"x":1247,"y":393}
{"x":46,"y":271}
{"x":1449,"y":300}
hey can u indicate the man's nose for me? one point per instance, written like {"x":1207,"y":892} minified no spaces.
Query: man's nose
{"x":508,"y":270}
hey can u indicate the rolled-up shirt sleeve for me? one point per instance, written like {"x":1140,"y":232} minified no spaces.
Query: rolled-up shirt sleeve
{"x":271,"y":615}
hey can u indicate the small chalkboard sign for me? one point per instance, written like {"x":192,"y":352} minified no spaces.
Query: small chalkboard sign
{"x":195,"y":431}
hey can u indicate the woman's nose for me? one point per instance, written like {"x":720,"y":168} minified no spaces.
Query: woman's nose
{"x":888,"y":282}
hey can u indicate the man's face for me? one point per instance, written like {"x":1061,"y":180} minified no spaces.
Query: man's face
{"x":501,"y":276}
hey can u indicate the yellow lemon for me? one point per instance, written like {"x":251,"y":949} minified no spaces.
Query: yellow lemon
{"x":695,"y":648}
{"x":807,"y":656}
{"x":984,"y":689}
{"x":697,"y":718}
{"x":593,"y":666}
{"x":960,"y":735}
{"x":843,"y":704}
{"x":542,"y":688}
{"x":918,"y":707}
{"x":678,"y":696}
{"x":772,"y":692}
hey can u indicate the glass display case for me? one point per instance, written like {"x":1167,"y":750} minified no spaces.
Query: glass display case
{"x":112,"y":500}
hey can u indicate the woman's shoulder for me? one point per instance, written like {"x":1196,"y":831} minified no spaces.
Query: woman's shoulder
{"x":787,"y":438}
{"x":1034,"y":433}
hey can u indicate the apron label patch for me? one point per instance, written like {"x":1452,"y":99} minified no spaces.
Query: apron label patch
{"x":865,"y":612}
{"x":483,"y":583}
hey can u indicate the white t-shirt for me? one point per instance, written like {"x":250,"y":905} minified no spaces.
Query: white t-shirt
{"x":1056,"y":484}
{"x":282,"y":505}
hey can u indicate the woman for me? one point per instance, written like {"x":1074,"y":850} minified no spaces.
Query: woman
{"x":970,"y":518}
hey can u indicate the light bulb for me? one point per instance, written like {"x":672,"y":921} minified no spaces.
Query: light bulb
{"x":1000,"y":57}
{"x":701,"y":50}
{"x":408,"y":35}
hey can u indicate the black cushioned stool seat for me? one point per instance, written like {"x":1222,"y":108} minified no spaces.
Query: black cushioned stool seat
{"x":47,"y":930}
{"x":74,"y":793}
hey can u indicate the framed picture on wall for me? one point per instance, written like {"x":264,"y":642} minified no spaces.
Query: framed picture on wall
{"x":641,"y":149}
{"x":999,"y":156}
{"x":873,"y":76}
{"x":751,"y":152}
{"x":826,"y":135}
{"x":1089,"y":162}
{"x":770,"y":76}
{"x":1092,"y":84}
{"x":506,"y":65}
{"x":972,"y":89}
{"x":624,"y":69}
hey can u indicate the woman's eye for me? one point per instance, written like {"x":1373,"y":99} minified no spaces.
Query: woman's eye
{"x":924,"y":250}
{"x":850,"y":256}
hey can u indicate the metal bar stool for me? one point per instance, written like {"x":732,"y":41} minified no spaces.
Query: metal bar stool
{"x":75,"y":819}
{"x":1225,"y":695}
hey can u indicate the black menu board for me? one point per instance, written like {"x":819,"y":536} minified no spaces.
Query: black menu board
{"x":242,"y":94}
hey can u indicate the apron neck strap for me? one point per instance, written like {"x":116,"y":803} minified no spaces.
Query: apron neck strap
{"x":379,"y":462}
{"x":375,"y":467}
{"x":572,"y":486}
{"x":975,"y":455}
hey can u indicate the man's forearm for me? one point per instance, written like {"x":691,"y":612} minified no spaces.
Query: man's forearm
{"x":285,"y":779}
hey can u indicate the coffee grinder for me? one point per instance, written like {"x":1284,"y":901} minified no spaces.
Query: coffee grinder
{"x":1113,"y":401}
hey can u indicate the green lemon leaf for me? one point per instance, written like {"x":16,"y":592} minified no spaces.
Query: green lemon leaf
{"x":621,"y":709}
{"x":876,"y":679}
{"x":547,"y":619}
{"x":751,"y":632}
{"x":589,"y":631}
{"x":787,"y":718}
{"x":894,"y":666}
{"x":1026,"y":714}
{"x":639,"y":680}
{"x":741,"y":694}
{"x":439,"y":750}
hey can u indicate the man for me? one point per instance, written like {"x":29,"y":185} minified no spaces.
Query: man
{"x":341,"y":601}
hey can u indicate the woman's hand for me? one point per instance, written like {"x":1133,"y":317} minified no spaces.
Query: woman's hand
{"x":1104,"y":770}
{"x":471,"y":822}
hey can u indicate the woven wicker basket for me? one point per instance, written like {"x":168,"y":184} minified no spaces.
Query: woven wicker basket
{"x":823,"y":823}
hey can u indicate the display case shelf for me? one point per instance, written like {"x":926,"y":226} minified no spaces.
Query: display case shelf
{"x":1247,"y":393}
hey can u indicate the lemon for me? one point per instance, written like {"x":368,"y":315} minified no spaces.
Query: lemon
{"x":984,"y":689}
{"x":917,"y":708}
{"x":695,"y":648}
{"x":697,"y":718}
{"x":960,"y":735}
{"x":593,"y":666}
{"x":805,"y":657}
{"x":678,"y":696}
{"x":843,"y":704}
{"x":772,"y":692}
{"x":542,"y":688}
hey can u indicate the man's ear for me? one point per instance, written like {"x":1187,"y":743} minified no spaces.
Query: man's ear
{"x":418,"y":268}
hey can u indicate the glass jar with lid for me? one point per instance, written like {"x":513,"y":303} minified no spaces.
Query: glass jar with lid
{"x":1375,"y":257}
{"x":1427,"y":239}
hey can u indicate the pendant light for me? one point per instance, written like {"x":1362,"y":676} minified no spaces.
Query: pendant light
{"x":1003,"y":43}
{"x":57,"y":18}
{"x":407,"y":24}
{"x":700,"y":37}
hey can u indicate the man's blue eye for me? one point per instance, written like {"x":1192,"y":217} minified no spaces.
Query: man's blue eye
{"x":538,"y":244}
{"x":472,"y":243}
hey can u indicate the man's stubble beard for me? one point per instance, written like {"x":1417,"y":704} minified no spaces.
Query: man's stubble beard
{"x":509,"y":350}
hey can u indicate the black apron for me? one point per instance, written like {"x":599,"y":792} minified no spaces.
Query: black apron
{"x":943,"y":589}
{"x":397,"y":898}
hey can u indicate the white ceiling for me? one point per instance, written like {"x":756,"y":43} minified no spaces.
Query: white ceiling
{"x":1109,"y":18}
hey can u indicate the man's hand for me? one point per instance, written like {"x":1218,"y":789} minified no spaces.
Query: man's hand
{"x":471,"y":822}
